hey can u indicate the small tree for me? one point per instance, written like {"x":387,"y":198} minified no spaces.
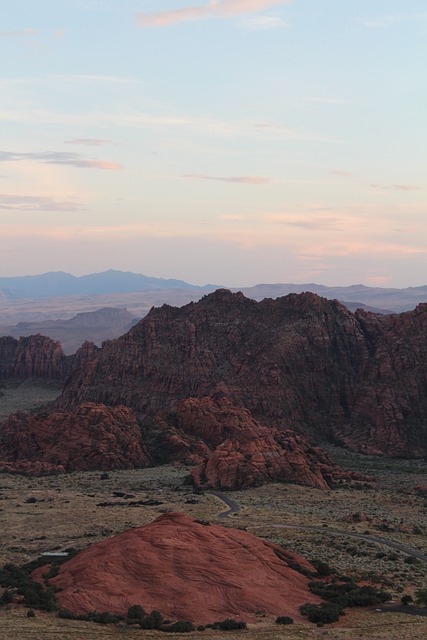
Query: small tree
{"x":421,"y":597}
{"x":135,"y":614}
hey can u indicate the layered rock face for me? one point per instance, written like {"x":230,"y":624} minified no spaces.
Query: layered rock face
{"x":89,"y":437}
{"x":187,"y":571}
{"x":35,"y":356}
{"x":299,"y":362}
{"x":244,"y":453}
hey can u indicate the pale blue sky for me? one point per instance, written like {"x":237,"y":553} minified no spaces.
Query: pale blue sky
{"x":232,"y":141}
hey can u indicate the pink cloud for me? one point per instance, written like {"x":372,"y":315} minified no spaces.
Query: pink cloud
{"x":100,"y":164}
{"x":11,"y":202}
{"x":396,"y":187}
{"x":18,"y":33}
{"x":59,"y":157}
{"x":94,"y":142}
{"x":215,"y":8}
{"x":343,"y":174}
{"x":238,"y":179}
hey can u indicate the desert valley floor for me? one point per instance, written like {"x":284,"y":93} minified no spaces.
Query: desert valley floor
{"x":78,"y":509}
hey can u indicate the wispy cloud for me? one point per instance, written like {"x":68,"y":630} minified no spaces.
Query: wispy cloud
{"x":11,"y":202}
{"x":343,"y":174}
{"x":57,"y":157}
{"x":396,"y":187}
{"x":263,"y":23}
{"x":213,"y":9}
{"x":18,"y":33}
{"x":308,"y":223}
{"x":93,"y":142}
{"x":385,"y":21}
{"x":320,"y":100}
{"x":236,"y":179}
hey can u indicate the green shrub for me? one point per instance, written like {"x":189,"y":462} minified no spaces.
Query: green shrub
{"x":182,"y":626}
{"x":135,"y":614}
{"x":284,"y":620}
{"x":421,"y":597}
{"x":152,"y":621}
{"x":229,"y":625}
{"x":326,"y":612}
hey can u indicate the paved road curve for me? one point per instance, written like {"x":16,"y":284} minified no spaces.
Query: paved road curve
{"x":234,"y":507}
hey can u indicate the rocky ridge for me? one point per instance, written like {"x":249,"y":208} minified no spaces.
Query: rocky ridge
{"x":300,"y":362}
{"x":236,"y":387}
{"x":33,"y":356}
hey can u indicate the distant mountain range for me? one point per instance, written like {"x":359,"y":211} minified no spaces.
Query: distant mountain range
{"x":375,"y":299}
{"x":59,"y":283}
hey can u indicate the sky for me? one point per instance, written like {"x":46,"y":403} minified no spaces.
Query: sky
{"x":231,"y":142}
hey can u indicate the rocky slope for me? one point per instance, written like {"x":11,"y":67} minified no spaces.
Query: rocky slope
{"x":300,"y":362}
{"x":88,"y":438}
{"x":187,"y":571}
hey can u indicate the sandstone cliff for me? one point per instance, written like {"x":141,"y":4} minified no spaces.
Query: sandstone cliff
{"x":300,"y":362}
{"x":35,"y":356}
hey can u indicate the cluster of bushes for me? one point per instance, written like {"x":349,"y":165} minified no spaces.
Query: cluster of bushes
{"x":227,"y":625}
{"x":104,"y":617}
{"x":136,"y":615}
{"x":324,"y":613}
{"x":18,"y":580}
{"x":349,"y":594}
{"x":284,"y":620}
{"x":33,"y":593}
{"x":339,"y":596}
{"x":154,"y":620}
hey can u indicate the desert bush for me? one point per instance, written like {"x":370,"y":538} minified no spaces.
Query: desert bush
{"x":229,"y":625}
{"x":135,"y":614}
{"x":349,"y":594}
{"x":7,"y":597}
{"x":152,"y":621}
{"x":182,"y":626}
{"x":421,"y":597}
{"x":284,"y":620}
{"x":325,"y":613}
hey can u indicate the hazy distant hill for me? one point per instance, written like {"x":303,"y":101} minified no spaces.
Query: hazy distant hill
{"x":94,"y":326}
{"x":58,"y":283}
{"x":377,"y":299}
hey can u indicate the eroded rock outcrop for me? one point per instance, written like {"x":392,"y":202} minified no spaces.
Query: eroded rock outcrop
{"x":245,"y":453}
{"x":300,"y":362}
{"x":35,"y":356}
{"x":90,"y":437}
{"x":187,"y":571}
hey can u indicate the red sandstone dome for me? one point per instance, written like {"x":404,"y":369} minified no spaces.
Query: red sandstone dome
{"x":187,"y":570}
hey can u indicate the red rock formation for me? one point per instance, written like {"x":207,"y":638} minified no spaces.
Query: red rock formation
{"x":298,"y":362}
{"x":246,"y":453}
{"x":90,"y":437}
{"x":35,"y":356}
{"x":187,"y":571}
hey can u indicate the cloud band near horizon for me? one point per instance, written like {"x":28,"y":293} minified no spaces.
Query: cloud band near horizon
{"x":214,"y":9}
